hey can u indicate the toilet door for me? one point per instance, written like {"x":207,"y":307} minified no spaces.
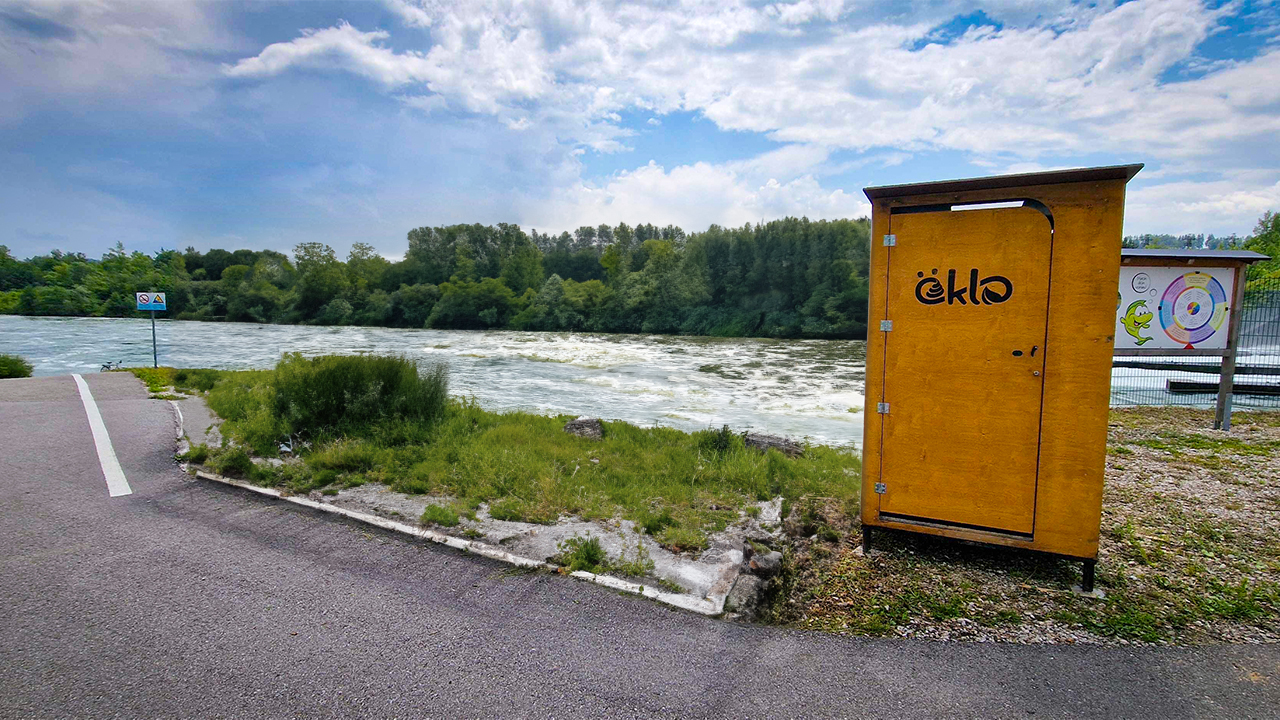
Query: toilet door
{"x":964,"y":361}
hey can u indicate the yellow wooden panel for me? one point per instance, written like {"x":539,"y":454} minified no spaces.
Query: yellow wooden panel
{"x":968,"y":295}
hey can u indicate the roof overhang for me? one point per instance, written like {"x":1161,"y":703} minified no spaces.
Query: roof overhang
{"x":998,"y":182}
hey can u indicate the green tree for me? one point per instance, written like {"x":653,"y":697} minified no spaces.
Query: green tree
{"x":1266,"y":240}
{"x":522,"y":269}
{"x":469,"y":305}
{"x":322,"y":278}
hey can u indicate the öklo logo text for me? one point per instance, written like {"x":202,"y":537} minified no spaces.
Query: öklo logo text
{"x":991,"y":290}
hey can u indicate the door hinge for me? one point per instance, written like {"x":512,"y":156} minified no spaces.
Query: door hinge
{"x":881,"y":488}
{"x":882,"y":408}
{"x":890,"y":240}
{"x":886,"y":325}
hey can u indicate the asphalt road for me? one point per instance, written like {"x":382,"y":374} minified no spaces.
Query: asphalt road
{"x":190,"y":599}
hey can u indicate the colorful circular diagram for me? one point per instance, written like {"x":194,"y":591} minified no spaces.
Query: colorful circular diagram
{"x":1192,"y":308}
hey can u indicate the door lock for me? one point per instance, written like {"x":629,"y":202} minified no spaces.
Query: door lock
{"x":1036,"y":373}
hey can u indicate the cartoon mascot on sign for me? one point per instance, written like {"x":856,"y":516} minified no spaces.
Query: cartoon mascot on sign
{"x":1135,"y":319}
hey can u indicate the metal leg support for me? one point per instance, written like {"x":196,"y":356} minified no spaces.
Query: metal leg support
{"x":866,"y":539}
{"x":1086,"y":575}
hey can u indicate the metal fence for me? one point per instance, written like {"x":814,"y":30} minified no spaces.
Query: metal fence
{"x":1193,"y":381}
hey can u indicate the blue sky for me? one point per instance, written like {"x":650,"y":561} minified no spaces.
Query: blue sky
{"x":261,"y":124}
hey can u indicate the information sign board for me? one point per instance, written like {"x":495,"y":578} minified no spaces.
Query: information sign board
{"x":1174,"y":308}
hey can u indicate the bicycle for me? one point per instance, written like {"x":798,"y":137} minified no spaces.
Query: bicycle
{"x":108,"y":366}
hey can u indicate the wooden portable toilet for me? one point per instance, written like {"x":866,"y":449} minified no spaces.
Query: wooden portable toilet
{"x":991,"y":329}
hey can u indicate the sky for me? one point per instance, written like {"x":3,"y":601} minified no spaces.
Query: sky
{"x":264,"y":124}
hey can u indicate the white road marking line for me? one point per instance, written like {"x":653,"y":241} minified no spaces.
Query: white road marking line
{"x":117,"y":485}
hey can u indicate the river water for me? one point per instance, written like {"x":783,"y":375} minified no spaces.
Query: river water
{"x":799,"y":388}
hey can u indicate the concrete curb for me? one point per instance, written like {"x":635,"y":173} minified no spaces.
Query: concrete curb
{"x":707,"y":606}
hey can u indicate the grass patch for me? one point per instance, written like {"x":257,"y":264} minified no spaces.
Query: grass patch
{"x":439,"y":515}
{"x":1178,"y":443}
{"x":159,"y":379}
{"x":156,"y":379}
{"x":197,"y":380}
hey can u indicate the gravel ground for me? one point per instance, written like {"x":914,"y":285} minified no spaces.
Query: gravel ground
{"x":1189,"y":554}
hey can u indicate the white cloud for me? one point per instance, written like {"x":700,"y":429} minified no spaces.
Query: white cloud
{"x":806,"y":10}
{"x":411,"y":12}
{"x":476,"y":61}
{"x":1179,"y":207}
{"x":1084,"y":79}
{"x":55,"y":51}
{"x":693,"y":197}
{"x":338,"y":47}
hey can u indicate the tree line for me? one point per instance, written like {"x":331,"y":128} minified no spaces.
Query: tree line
{"x":792,"y":277}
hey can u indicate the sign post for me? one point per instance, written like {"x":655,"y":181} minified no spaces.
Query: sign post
{"x":152,"y":302}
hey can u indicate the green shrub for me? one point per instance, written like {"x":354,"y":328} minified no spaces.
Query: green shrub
{"x":439,"y":515}
{"x":349,"y":393}
{"x":233,"y":462}
{"x":13,"y":366}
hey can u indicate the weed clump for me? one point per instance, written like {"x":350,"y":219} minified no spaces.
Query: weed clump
{"x":582,"y":553}
{"x":232,"y":462}
{"x":197,"y":454}
{"x":389,"y":400}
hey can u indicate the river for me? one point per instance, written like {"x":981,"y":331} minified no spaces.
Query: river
{"x":800,"y":388}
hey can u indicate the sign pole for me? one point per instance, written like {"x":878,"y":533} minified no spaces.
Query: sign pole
{"x":1226,"y":382}
{"x":153,"y":302}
